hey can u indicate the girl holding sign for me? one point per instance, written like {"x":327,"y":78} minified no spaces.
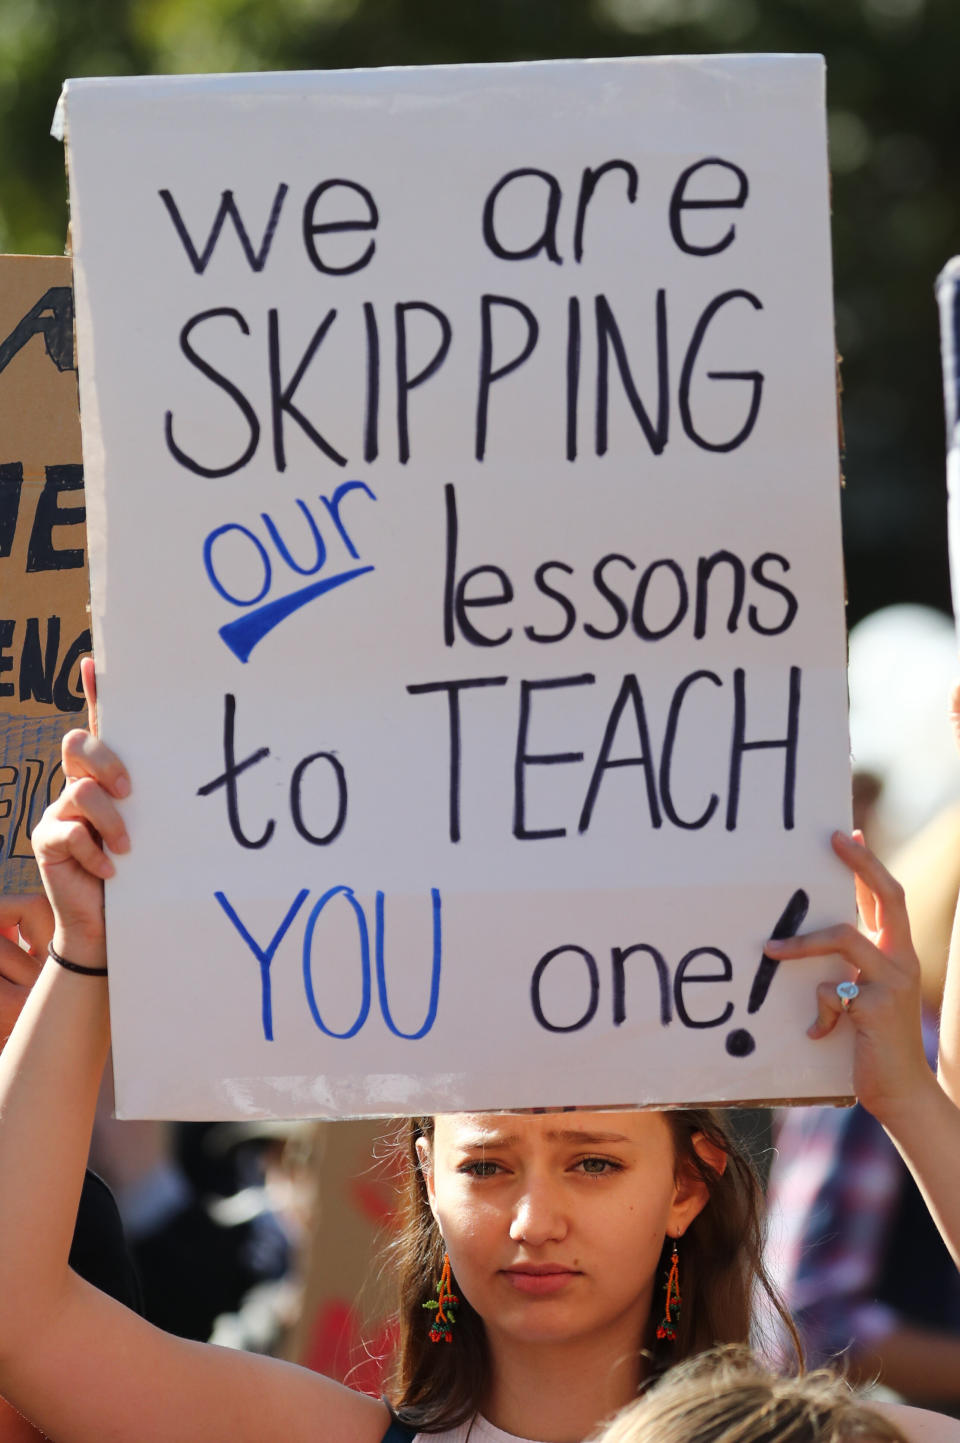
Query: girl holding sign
{"x":550,"y":1262}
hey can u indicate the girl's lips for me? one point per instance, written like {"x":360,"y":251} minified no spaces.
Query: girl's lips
{"x":540,"y":1282}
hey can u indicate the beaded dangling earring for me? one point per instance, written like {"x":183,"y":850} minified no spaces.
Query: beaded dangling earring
{"x":444,"y":1306}
{"x":671,"y":1303}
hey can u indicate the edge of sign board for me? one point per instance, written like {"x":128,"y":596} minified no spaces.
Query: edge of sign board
{"x":277,"y":81}
{"x":769,"y":1102}
{"x":291,"y":79}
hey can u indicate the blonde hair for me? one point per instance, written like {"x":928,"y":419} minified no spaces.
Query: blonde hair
{"x":725,"y":1396}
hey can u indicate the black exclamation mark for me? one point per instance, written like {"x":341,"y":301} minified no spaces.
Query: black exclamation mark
{"x":740,"y":1042}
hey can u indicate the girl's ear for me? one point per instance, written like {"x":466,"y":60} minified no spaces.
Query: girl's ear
{"x":425,"y":1158}
{"x":709,"y":1152}
{"x":692,"y":1193}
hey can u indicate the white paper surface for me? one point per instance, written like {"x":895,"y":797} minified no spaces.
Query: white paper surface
{"x":581,"y":940}
{"x":947,"y":299}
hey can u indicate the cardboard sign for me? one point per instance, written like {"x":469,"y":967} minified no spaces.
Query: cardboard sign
{"x":44,"y":625}
{"x":462,"y":469}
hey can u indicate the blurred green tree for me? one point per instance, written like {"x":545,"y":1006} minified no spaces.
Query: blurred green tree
{"x":893,"y":71}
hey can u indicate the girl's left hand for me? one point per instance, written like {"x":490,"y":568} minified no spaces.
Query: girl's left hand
{"x":889,"y":1061}
{"x":26,"y":926}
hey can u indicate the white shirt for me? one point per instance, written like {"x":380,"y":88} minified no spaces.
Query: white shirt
{"x":476,"y":1430}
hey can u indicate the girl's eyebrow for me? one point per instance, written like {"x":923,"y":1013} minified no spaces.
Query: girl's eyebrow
{"x":569,"y":1135}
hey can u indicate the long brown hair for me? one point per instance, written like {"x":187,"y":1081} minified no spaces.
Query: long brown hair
{"x":436,"y":1387}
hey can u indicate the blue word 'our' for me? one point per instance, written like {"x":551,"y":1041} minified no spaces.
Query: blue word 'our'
{"x":263,"y":609}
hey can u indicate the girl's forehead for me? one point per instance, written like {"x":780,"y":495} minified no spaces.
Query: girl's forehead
{"x":570,"y":1125}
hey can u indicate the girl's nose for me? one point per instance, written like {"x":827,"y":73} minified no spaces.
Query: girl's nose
{"x":538,"y":1215}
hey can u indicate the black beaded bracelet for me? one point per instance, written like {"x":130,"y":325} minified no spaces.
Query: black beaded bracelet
{"x":75,"y":966}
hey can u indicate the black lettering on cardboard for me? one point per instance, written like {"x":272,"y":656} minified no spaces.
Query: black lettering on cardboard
{"x":564,"y":602}
{"x":629,"y":692}
{"x":760,"y":577}
{"x":224,"y":384}
{"x":228,"y":207}
{"x":588,"y":185}
{"x":312,"y":227}
{"x":524,"y":759}
{"x":51,"y":318}
{"x":620,"y":609}
{"x":593,"y":976}
{"x":679,"y":203}
{"x":619,"y":956}
{"x":640,"y":626}
{"x":371,"y":421}
{"x":489,"y":373}
{"x":494,"y":598}
{"x":666,"y":755}
{"x":281,"y":396}
{"x":11,"y":489}
{"x":755,"y":378}
{"x":547,"y":238}
{"x":42,"y":555}
{"x":682,"y":979}
{"x":296,"y":799}
{"x":572,"y":375}
{"x":228,"y":779}
{"x":453,"y":690}
{"x":65,"y":697}
{"x":406,"y":382}
{"x":787,"y":743}
{"x":706,"y":565}
{"x":7,"y":626}
{"x":38,"y":667}
{"x":608,"y":335}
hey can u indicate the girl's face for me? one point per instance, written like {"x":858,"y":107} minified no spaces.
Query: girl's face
{"x":555,"y":1222}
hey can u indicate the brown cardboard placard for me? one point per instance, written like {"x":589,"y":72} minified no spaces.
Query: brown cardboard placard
{"x":44,"y":590}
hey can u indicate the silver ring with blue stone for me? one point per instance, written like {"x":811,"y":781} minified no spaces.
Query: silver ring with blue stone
{"x":848,"y":992}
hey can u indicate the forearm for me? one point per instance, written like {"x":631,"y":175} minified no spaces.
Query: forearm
{"x":49,"y":1076}
{"x":926,"y":1130}
{"x":949,"y":1067}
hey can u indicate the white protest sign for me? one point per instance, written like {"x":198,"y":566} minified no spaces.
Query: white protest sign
{"x":462,"y":477}
{"x":948,"y":300}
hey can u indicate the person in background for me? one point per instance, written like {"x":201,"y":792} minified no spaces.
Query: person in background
{"x":726,"y":1396}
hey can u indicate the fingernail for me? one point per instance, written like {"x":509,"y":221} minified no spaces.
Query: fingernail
{"x":121,"y":787}
{"x":122,"y":843}
{"x":107,"y":868}
{"x":814,"y":1029}
{"x":773,"y":945}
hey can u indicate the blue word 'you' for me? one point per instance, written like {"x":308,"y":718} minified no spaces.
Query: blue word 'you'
{"x":265,"y":956}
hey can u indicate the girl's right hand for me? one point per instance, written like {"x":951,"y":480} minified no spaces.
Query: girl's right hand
{"x":73,"y":837}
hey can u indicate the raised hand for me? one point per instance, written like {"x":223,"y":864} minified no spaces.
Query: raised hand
{"x":26,"y":920}
{"x":889,"y":1062}
{"x":77,"y":832}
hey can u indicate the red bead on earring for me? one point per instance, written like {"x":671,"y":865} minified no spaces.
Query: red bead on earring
{"x":444,"y":1306}
{"x":671,"y":1304}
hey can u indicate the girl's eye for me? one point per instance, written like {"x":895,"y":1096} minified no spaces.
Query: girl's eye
{"x":480,"y":1168}
{"x":597,"y":1166}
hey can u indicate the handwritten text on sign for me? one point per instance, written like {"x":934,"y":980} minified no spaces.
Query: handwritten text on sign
{"x":475,"y":508}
